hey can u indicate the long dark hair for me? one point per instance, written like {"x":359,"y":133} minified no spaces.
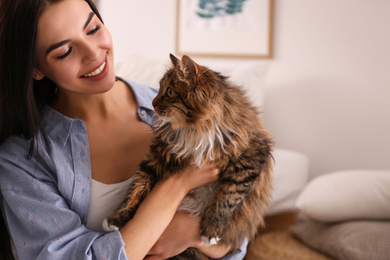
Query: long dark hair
{"x":21,"y":97}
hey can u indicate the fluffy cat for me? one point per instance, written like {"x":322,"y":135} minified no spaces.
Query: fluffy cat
{"x":201,"y":117}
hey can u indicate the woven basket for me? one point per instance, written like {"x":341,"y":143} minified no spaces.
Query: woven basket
{"x":281,"y":245}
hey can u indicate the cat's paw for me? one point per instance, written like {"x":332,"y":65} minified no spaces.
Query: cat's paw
{"x":210,"y":241}
{"x":107,"y":227}
{"x":211,"y":229}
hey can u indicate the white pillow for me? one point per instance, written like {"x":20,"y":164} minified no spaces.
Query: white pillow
{"x":142,"y":69}
{"x":346,"y":195}
{"x":250,"y":75}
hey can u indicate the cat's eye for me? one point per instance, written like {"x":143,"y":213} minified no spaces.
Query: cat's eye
{"x":169,"y":92}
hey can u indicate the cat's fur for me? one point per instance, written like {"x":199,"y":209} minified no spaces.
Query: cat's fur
{"x":203,"y":118}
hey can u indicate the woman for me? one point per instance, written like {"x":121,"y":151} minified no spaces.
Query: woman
{"x":67,"y":126}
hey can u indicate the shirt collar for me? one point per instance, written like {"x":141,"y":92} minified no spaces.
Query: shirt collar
{"x":58,"y":126}
{"x":142,"y":94}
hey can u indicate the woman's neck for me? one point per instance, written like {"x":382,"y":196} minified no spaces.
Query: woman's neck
{"x":96,"y":107}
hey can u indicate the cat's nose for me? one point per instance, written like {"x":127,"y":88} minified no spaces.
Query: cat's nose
{"x":154,"y":102}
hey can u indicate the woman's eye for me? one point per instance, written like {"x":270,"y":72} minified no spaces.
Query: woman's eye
{"x":170,"y":92}
{"x":63,"y":56}
{"x":94,"y":30}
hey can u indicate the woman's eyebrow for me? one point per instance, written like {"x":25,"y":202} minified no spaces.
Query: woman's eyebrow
{"x":59,"y":44}
{"x":90,"y":16}
{"x":55,"y":46}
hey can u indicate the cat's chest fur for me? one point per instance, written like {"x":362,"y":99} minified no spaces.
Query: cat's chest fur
{"x":198,"y":148}
{"x":202,"y":145}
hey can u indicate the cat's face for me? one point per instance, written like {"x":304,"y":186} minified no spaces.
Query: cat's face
{"x":188,"y":95}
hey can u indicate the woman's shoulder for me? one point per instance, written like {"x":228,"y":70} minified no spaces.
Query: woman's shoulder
{"x":17,"y":167}
{"x":14,"y":151}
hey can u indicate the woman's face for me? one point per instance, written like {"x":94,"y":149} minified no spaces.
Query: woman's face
{"x":75,"y":49}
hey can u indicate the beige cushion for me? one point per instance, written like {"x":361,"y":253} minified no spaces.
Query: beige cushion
{"x":352,"y":240}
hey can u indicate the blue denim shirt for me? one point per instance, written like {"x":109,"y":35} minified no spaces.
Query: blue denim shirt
{"x":45,"y":200}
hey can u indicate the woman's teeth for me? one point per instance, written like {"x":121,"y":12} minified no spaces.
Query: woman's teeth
{"x":96,"y":72}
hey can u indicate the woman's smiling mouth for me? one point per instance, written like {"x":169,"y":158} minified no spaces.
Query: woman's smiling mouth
{"x":96,"y":72}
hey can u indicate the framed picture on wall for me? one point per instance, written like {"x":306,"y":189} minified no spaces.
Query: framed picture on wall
{"x":225,"y":28}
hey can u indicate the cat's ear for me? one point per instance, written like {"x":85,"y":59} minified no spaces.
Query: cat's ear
{"x":175,"y":61}
{"x":189,"y":66}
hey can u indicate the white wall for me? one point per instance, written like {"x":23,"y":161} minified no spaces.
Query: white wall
{"x":328,"y":85}
{"x":332,"y":71}
{"x":140,"y":26}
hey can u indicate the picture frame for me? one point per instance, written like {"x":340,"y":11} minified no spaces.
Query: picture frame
{"x":243,"y":31}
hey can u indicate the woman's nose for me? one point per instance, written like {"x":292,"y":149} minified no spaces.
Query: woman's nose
{"x":90,"y":52}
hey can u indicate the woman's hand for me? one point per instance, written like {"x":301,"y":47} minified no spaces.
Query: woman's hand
{"x":182,"y":232}
{"x":194,"y":177}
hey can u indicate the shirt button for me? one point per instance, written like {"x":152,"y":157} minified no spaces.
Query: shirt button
{"x":143,"y":112}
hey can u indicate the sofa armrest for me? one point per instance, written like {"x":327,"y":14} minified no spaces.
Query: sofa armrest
{"x":291,"y":174}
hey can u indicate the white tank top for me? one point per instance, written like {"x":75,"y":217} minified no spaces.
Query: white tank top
{"x":105,"y":198}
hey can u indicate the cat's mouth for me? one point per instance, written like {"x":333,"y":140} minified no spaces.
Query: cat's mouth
{"x":164,"y":111}
{"x":161,"y":111}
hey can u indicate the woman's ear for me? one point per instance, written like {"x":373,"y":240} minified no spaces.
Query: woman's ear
{"x":37,"y":75}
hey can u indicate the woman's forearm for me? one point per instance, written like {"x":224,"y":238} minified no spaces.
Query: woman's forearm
{"x":159,"y":207}
{"x":152,"y":217}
